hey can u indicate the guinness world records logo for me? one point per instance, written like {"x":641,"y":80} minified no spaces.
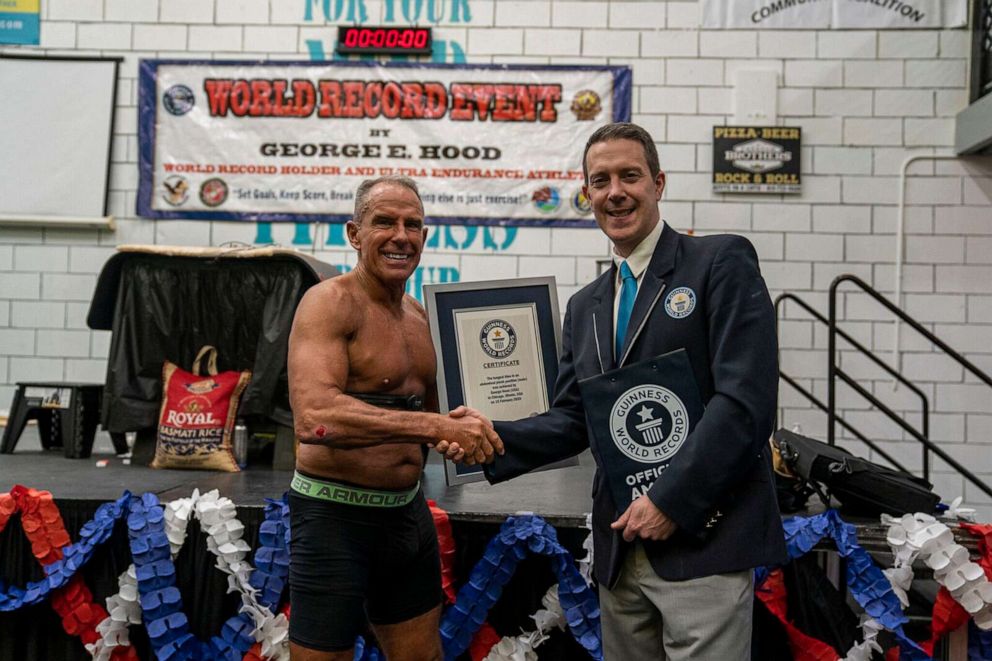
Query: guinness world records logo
{"x":680,"y":302}
{"x":649,"y":423}
{"x":498,"y":339}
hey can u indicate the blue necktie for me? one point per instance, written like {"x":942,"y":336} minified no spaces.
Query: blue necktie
{"x":628,"y":291}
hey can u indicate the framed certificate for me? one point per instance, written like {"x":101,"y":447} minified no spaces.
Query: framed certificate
{"x":497,"y":345}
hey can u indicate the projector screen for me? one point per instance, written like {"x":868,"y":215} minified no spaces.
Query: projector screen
{"x":56,"y":124}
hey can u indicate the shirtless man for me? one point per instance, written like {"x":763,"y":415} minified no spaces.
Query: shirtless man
{"x":363,"y":542}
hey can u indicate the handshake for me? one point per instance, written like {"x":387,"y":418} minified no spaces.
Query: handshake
{"x":467,"y":436}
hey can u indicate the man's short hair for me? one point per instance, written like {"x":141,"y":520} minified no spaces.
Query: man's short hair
{"x":364,"y":188}
{"x":624,"y":131}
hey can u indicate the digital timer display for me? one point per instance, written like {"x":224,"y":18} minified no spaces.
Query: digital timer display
{"x":383,"y":40}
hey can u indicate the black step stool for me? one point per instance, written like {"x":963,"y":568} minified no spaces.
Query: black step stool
{"x":67,"y":415}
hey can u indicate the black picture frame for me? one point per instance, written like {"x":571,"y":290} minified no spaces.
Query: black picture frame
{"x":444,"y":302}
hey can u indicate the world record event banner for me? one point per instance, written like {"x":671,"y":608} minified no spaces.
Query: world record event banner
{"x":291,"y":141}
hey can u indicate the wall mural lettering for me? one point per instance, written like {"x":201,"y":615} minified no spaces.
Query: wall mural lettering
{"x":402,"y":11}
{"x":410,"y":11}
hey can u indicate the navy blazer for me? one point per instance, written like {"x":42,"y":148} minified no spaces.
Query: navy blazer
{"x":718,"y":488}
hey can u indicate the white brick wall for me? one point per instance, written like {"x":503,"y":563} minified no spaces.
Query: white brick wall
{"x":670,"y":43}
{"x":843,"y":102}
{"x":131,"y":11}
{"x":908,"y":44}
{"x":842,"y":160}
{"x":496,"y":41}
{"x":866,"y":100}
{"x":637,"y":14}
{"x":523,"y":14}
{"x":74,"y":10}
{"x":853,"y":44}
{"x":579,"y":14}
{"x":35,"y":369}
{"x":552,"y":42}
{"x":277,"y":39}
{"x":37,"y":314}
{"x":610,"y":43}
{"x":243,"y":11}
{"x":873,"y":73}
{"x":156,"y":37}
{"x":735,"y":44}
{"x":814,"y":73}
{"x":186,"y":11}
{"x":111,"y":36}
{"x":683,"y":14}
{"x":786,"y":44}
{"x":215,"y":38}
{"x":904,"y":103}
{"x":935,"y":73}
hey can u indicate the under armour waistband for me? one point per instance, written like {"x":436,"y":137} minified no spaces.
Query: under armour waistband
{"x":347,"y":494}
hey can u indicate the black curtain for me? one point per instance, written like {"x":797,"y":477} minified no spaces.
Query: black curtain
{"x":167,"y":308}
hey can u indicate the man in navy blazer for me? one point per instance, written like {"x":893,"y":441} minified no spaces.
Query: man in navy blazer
{"x":675,"y":567}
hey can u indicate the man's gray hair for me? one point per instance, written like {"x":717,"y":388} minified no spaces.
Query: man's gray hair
{"x":364,"y":188}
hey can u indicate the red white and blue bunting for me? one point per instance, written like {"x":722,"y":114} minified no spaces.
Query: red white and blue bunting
{"x":869,"y":586}
{"x":148,"y":594}
{"x":519,"y":536}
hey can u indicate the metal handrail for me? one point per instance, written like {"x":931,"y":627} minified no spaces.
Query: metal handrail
{"x":924,"y":401}
{"x":833,"y":372}
{"x":921,"y":436}
{"x":843,"y":423}
{"x":928,"y":445}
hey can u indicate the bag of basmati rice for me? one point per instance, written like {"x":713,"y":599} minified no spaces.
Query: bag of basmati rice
{"x":197,"y":418}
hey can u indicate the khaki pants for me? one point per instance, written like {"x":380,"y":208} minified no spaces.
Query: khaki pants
{"x":646,"y":618}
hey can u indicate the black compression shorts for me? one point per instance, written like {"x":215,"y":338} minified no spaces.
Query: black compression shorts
{"x":351,"y":563}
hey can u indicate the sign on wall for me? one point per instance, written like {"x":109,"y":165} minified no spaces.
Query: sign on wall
{"x":292,"y":140}
{"x":19,"y":22}
{"x":823,"y":14}
{"x":756,"y":159}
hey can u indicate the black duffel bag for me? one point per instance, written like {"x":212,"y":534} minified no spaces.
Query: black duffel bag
{"x":860,"y":486}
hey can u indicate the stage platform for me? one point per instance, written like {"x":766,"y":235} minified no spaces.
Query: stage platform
{"x":561,"y":496}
